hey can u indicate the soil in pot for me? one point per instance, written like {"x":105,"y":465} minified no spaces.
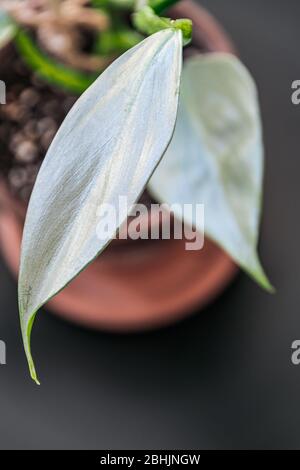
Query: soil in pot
{"x":132,"y":285}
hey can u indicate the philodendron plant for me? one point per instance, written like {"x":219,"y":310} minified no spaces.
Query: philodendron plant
{"x":112,"y":141}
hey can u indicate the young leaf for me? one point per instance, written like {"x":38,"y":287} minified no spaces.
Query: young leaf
{"x":148,"y":22}
{"x":7,"y":29}
{"x":216,"y":156}
{"x":107,"y":147}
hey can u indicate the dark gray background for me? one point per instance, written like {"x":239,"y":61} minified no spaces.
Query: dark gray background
{"x":221,"y":379}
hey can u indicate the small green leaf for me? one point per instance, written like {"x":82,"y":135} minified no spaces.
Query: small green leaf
{"x":50,"y":70}
{"x":146,"y":21}
{"x":7,"y":29}
{"x":108,"y":146}
{"x":216,"y":156}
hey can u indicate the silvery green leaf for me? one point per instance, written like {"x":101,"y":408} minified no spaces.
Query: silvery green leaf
{"x":107,"y":147}
{"x":216,"y":156}
{"x":7,"y":29}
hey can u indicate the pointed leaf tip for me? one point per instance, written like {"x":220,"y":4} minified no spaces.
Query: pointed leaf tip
{"x":258,"y":274}
{"x":108,"y":146}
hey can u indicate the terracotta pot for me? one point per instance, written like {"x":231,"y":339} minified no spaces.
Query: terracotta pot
{"x":145,"y":283}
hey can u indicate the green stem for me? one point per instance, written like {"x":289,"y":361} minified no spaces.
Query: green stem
{"x":52,"y":71}
{"x":145,"y":16}
{"x":148,"y":22}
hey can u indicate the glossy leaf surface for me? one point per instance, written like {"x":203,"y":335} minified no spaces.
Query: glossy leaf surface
{"x":107,"y":147}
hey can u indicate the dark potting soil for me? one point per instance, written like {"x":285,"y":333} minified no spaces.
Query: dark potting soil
{"x":28,"y":123}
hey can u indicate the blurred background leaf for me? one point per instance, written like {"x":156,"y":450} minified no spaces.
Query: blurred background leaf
{"x":216,"y":156}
